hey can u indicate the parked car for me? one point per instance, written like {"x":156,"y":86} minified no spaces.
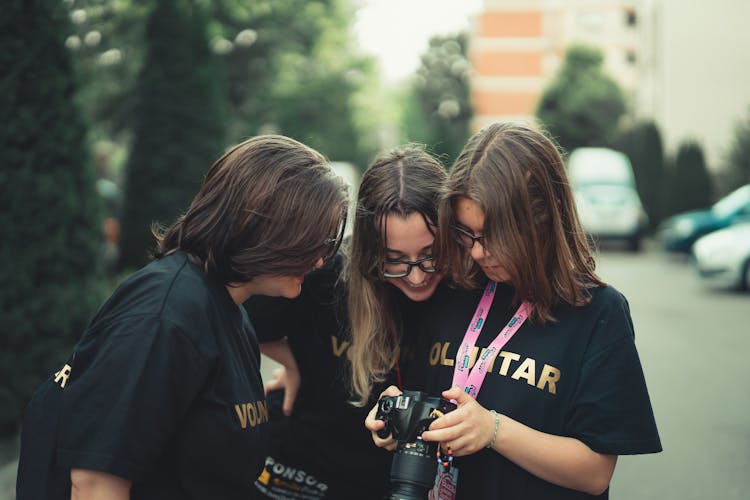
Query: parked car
{"x":679,"y":232}
{"x":722,"y":257}
{"x":606,"y":198}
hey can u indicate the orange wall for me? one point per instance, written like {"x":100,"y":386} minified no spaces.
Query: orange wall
{"x":504,"y":102}
{"x":510,"y":24}
{"x":508,"y":63}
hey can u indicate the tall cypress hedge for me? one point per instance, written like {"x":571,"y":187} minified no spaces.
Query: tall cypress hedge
{"x":643,"y":145}
{"x":49,"y":211}
{"x":691,"y":185}
{"x":178,"y":127}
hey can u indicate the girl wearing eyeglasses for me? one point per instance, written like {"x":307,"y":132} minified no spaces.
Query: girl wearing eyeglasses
{"x":537,"y":352}
{"x":347,"y":335}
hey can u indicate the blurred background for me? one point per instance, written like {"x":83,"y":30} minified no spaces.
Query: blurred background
{"x":112,"y":111}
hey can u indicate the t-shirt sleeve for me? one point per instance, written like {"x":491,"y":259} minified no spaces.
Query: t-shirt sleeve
{"x":123,"y":405}
{"x":611,"y":411}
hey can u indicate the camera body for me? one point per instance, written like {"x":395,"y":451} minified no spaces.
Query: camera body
{"x":406,"y":416}
{"x":414,"y":463}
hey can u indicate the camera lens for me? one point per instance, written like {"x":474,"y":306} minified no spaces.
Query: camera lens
{"x":413,"y":470}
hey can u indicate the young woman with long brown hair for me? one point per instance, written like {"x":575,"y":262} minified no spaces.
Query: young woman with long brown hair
{"x":538,"y":352}
{"x":348,"y":331}
{"x":162,"y":397}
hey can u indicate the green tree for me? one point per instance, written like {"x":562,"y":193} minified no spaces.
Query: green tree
{"x":582,"y":106}
{"x":438,"y":113}
{"x":691,"y":185}
{"x":315,"y":89}
{"x":292,"y":70}
{"x":49,"y":210}
{"x":315,"y":106}
{"x":283,"y":62}
{"x":643,"y":145}
{"x":738,"y":159}
{"x":106,"y":42}
{"x":179,"y":127}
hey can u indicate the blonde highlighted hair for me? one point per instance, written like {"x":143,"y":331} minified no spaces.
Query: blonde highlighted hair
{"x":402,"y":182}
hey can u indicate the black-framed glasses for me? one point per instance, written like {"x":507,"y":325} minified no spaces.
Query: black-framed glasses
{"x":401,"y":268}
{"x":467,"y":239}
{"x":330,"y":246}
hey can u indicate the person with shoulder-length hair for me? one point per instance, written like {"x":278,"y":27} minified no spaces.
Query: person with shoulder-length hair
{"x":539,"y":353}
{"x":391,"y":208}
{"x":342,"y":339}
{"x":162,"y":397}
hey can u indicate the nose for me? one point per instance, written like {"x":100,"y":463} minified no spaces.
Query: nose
{"x":477,"y":251}
{"x":416,"y":276}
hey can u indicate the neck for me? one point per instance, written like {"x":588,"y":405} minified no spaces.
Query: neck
{"x":239,"y":293}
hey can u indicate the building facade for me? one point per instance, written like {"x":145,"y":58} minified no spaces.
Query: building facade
{"x":685,"y":65}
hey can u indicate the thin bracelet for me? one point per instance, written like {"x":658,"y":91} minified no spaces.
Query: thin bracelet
{"x":497,"y":426}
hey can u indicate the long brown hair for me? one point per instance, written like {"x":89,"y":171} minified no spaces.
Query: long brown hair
{"x":268,"y":206}
{"x":404,"y":181}
{"x":516,"y":175}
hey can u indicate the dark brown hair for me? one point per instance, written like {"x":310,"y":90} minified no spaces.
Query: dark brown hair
{"x":403,"y":181}
{"x":516,"y":175}
{"x":268,"y":206}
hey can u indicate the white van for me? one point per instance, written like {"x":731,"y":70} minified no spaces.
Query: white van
{"x":606,"y":198}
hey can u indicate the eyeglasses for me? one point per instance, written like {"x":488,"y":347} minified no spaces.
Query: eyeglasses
{"x":401,"y":269}
{"x":467,"y":239}
{"x":330,"y":246}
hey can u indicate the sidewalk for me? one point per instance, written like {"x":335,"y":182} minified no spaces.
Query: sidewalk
{"x":8,"y":468}
{"x":8,"y":480}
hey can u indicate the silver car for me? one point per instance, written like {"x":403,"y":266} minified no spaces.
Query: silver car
{"x":722,"y":257}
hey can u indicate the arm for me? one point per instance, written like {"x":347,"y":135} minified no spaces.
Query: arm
{"x":94,"y":485}
{"x":287,"y":378}
{"x":560,"y":460}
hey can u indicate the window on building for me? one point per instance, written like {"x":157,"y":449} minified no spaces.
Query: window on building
{"x":631,"y":17}
{"x":630,"y":56}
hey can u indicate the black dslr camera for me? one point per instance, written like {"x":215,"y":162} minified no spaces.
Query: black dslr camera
{"x":414,"y":463}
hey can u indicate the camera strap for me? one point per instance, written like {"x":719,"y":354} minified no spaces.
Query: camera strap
{"x":471,"y":378}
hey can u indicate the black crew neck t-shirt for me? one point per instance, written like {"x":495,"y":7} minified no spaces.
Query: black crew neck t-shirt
{"x":579,"y":377}
{"x":163,"y":389}
{"x":325,"y":437}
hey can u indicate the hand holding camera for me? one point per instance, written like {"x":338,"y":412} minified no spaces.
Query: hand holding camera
{"x":468,"y":430}
{"x":406,"y":417}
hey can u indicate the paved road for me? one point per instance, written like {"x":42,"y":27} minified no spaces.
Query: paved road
{"x":694,"y":345}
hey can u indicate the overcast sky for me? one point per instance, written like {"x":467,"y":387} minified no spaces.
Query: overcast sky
{"x":397,"y":32}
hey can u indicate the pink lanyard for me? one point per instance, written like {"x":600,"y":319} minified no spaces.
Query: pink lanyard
{"x":471,"y":379}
